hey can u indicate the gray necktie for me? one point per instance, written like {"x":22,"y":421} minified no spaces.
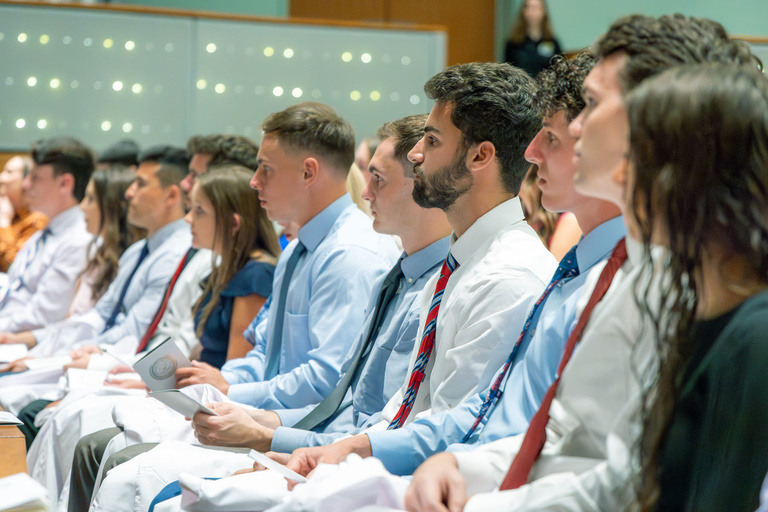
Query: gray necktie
{"x":273,"y":355}
{"x":330,"y":405}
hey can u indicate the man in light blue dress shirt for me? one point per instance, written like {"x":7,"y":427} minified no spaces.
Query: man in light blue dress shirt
{"x":529,"y":376}
{"x":424,"y":235}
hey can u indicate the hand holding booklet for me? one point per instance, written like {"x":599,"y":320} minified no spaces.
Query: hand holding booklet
{"x":181,"y":403}
{"x":158,"y":366}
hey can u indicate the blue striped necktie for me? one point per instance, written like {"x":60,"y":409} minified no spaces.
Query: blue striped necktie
{"x":567,"y":269}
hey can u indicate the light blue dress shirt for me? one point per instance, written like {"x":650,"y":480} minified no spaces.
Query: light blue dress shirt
{"x":145,"y":292}
{"x":385,"y":367}
{"x":325,"y":308}
{"x":525,"y":385}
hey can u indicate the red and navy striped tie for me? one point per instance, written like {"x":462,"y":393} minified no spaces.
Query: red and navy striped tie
{"x":427,"y":343}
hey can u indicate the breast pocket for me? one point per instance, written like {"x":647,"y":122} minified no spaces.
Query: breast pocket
{"x":296,"y":342}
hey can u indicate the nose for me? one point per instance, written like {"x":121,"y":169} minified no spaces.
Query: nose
{"x":188,"y":217}
{"x":187,"y":183}
{"x":574,"y":129}
{"x":26,"y":183}
{"x":367,"y":193}
{"x":416,"y":155}
{"x":130,"y":191}
{"x":256,"y":181}
{"x":533,"y":152}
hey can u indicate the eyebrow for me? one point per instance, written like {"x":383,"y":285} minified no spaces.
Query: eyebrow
{"x":429,"y":128}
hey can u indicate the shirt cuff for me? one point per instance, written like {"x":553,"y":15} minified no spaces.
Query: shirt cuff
{"x":285,"y":439}
{"x":290,"y":417}
{"x":389,"y":447}
{"x":245,"y":393}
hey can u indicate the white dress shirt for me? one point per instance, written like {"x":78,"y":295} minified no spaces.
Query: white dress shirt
{"x":47,"y":284}
{"x":503,"y":268}
{"x":586,"y":463}
{"x":143,"y":296}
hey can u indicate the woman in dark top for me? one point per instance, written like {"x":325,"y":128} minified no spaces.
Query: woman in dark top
{"x":532,"y":43}
{"x":225,"y":217}
{"x":699,"y":160}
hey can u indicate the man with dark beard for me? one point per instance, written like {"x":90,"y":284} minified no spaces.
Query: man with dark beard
{"x":469,"y":163}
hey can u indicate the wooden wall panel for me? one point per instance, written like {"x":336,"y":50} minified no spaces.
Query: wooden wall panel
{"x":470,"y":25}
{"x":359,"y":10}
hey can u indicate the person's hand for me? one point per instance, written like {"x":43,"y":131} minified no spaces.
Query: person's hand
{"x":7,"y":211}
{"x":21,"y":337}
{"x":120,"y":368}
{"x":269,"y":419}
{"x":201,"y":373}
{"x":79,"y":352}
{"x":232,"y":427}
{"x":79,"y":362}
{"x":304,"y":460}
{"x":16,"y":366}
{"x":437,"y":486}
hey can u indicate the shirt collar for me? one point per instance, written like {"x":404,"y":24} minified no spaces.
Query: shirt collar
{"x":164,"y":233}
{"x":506,"y":214}
{"x":599,"y":242}
{"x":313,"y":232}
{"x":65,"y":219}
{"x":415,"y":265}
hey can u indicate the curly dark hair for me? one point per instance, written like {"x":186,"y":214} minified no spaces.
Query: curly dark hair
{"x":699,"y":147}
{"x":652,"y":45}
{"x":559,"y":85}
{"x":491,"y":102}
{"x":225,"y":150}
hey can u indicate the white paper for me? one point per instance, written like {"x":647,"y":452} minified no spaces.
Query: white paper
{"x":78,"y":378}
{"x":47,"y":362}
{"x":21,"y":492}
{"x":7,"y":418}
{"x":276,"y":467}
{"x":12,"y":351}
{"x":180,"y":402}
{"x":158,"y":367}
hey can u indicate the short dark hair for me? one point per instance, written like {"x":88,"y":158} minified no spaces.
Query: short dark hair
{"x":652,"y":45}
{"x":559,"y":85}
{"x":124,"y":152}
{"x":491,"y":102}
{"x":406,"y":131}
{"x":66,"y":156}
{"x":225,"y":150}
{"x":174,"y":163}
{"x":315,"y":128}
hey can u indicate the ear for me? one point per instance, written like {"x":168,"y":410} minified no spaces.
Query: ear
{"x":67,"y":182}
{"x":235,"y":223}
{"x":481,"y":156}
{"x":311,"y":170}
{"x":620,"y":174}
{"x":174,"y":194}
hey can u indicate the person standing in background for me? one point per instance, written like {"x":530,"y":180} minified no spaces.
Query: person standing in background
{"x":532,"y":42}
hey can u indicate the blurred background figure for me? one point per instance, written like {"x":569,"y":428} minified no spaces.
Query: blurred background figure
{"x":122,"y":154}
{"x":17,"y":223}
{"x":532,"y":43}
{"x":558,"y":231}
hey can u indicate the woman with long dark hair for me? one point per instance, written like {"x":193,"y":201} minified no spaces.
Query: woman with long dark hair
{"x":699,"y":165}
{"x":105,"y":209}
{"x":226,"y":217}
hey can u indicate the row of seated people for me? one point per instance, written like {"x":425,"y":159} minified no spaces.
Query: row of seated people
{"x":626,"y":376}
